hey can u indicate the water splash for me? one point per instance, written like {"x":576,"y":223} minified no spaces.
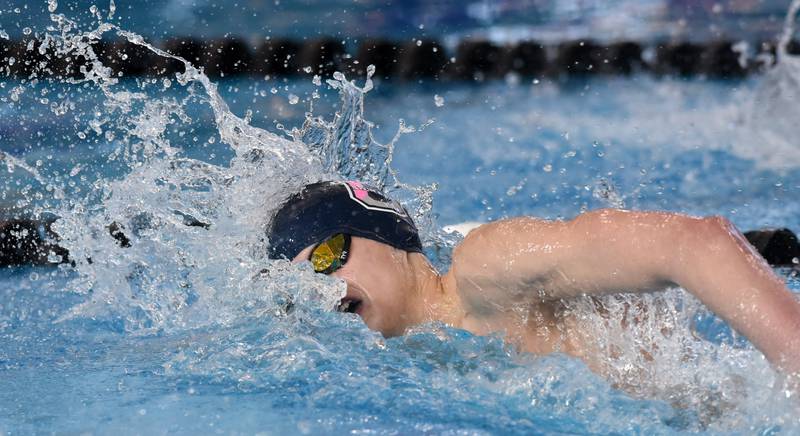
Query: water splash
{"x":195,"y":256}
{"x":193,"y":250}
{"x":771,"y":113}
{"x":348,"y":148}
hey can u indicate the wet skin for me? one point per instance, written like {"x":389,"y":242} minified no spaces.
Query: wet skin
{"x":510,"y":277}
{"x":390,"y":289}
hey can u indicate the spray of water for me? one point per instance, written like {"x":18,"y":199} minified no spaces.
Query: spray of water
{"x":194,"y":250}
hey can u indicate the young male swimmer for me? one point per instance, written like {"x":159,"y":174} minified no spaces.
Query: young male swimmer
{"x":510,"y":276}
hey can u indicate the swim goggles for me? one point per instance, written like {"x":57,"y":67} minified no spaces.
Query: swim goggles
{"x":330,"y":254}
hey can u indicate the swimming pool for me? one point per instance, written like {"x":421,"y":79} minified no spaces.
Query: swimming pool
{"x":185,"y":332}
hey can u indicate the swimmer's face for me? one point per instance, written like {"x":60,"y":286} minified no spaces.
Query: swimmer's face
{"x":380,"y":284}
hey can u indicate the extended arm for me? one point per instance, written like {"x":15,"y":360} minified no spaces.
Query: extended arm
{"x":519,"y":260}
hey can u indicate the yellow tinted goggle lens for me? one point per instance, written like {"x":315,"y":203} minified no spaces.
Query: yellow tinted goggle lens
{"x":328,"y":255}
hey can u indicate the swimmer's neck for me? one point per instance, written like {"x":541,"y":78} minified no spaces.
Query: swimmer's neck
{"x":437,"y":298}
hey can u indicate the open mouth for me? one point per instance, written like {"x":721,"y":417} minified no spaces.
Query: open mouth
{"x":349,"y":305}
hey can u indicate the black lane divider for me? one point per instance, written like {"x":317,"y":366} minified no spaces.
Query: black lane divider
{"x":472,"y":60}
{"x":28,"y":242}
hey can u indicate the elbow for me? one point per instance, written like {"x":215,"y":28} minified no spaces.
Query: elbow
{"x":717,"y":228}
{"x":720,"y":235}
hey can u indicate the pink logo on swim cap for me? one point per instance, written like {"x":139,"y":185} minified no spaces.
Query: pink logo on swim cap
{"x":361,"y":195}
{"x":358,"y":189}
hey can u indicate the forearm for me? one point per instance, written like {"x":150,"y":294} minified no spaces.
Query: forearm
{"x":726,"y":273}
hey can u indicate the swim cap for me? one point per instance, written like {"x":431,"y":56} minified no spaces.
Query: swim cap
{"x":323,"y":209}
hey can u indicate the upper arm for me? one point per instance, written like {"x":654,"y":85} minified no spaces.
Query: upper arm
{"x":525,"y":259}
{"x":602,"y":251}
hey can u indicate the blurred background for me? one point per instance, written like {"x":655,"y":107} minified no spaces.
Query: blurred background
{"x":546,"y":20}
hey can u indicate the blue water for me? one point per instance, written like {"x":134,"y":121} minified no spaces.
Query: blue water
{"x":187,"y":331}
{"x":313,"y":371}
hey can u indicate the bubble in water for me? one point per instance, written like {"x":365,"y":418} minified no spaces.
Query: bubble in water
{"x":27,"y":31}
{"x":438,"y":100}
{"x":308,"y":70}
{"x":33,"y":276}
{"x":293,"y":99}
{"x":52,"y":5}
{"x":273,"y":90}
{"x":317,"y":80}
{"x":512,"y":191}
{"x":547,"y":168}
{"x":3,"y":34}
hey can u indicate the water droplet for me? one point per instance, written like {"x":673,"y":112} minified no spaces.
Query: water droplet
{"x":438,"y":100}
{"x":293,"y":99}
{"x":547,"y":168}
{"x":419,"y":43}
{"x":317,"y":80}
{"x":308,"y":70}
{"x":273,"y":90}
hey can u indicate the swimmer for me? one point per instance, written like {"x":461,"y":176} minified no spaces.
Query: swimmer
{"x":510,"y":276}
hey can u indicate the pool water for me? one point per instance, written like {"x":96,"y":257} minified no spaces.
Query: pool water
{"x":188,"y":330}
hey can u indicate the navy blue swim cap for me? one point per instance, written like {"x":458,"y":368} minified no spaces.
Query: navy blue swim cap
{"x":323,"y":209}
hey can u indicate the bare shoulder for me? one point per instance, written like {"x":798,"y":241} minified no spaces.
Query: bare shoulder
{"x":486,"y":265}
